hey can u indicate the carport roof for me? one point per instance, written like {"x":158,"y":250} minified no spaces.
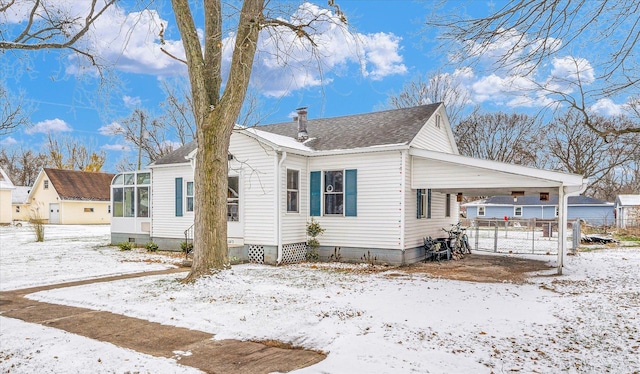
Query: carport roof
{"x":450,"y":173}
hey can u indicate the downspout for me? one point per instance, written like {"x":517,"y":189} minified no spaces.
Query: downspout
{"x":563,"y":199}
{"x":403,"y":196}
{"x":279,"y":207}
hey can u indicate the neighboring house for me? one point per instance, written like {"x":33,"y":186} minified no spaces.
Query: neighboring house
{"x":71,"y":197}
{"x":595,"y":212}
{"x":627,"y":211}
{"x":378,"y":183}
{"x":19,"y":203}
{"x":6,"y":191}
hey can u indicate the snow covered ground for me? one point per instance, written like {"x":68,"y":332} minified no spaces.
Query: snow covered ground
{"x":586,"y":321}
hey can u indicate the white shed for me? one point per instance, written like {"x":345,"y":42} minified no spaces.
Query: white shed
{"x":627,"y":209}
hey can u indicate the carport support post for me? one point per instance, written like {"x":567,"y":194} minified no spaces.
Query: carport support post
{"x":562,"y":227}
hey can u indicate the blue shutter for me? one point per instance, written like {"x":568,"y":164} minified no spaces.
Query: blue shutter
{"x":351,"y":193}
{"x":419,"y":200}
{"x":178,"y":197}
{"x":315,"y":191}
{"x":429,"y":203}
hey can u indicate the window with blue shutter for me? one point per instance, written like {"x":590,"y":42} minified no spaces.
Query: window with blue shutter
{"x":315,"y":193}
{"x":351,"y":193}
{"x":178,"y":197}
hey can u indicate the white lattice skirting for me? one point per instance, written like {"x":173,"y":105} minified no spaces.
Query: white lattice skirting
{"x":256,"y":254}
{"x":293,"y":253}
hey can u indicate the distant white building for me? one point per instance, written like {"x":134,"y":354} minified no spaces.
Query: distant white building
{"x":627,"y":211}
{"x":6,"y":191}
{"x":378,"y":183}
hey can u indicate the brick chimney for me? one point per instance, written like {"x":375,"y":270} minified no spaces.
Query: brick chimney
{"x":302,"y":124}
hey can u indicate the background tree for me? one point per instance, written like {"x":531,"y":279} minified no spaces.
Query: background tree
{"x":523,"y":36}
{"x":13,"y":112}
{"x":22,"y":165}
{"x":216,"y":108}
{"x":433,"y":88}
{"x":510,"y":138}
{"x":154,"y":136}
{"x":50,"y":25}
{"x":73,"y":154}
{"x":573,"y":148}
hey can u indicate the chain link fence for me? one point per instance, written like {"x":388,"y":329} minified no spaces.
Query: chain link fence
{"x":532,"y":236}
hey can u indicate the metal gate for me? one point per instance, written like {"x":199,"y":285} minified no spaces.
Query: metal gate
{"x":533,"y":236}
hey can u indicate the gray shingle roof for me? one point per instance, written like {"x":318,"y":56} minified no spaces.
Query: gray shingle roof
{"x":177,"y":156}
{"x":396,"y":126}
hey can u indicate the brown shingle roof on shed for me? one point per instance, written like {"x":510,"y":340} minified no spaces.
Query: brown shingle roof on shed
{"x":80,"y":185}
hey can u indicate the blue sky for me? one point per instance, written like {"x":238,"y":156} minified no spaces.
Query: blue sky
{"x":392,"y":47}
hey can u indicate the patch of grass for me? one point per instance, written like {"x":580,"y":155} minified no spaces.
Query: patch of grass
{"x":628,"y":238}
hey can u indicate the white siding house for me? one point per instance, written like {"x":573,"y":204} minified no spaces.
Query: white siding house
{"x":377,"y":183}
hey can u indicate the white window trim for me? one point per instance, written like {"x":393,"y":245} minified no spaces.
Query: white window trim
{"x":483,"y":209}
{"x":287,"y":211}
{"x":187,"y":196}
{"x":322,"y":200}
{"x":515,"y":210}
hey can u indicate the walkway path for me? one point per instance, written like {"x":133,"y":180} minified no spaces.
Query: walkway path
{"x":208,"y":355}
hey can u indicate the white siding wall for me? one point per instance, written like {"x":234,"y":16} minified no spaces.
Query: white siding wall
{"x":377,"y":224}
{"x":164,"y":223}
{"x":256,"y":164}
{"x":294,"y":224}
{"x":416,"y":229}
{"x":433,"y":138}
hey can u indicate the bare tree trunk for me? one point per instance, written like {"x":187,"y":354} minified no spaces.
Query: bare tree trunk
{"x":215,"y":117}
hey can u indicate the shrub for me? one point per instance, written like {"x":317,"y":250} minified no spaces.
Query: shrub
{"x":186,"y":247}
{"x":125,"y":246}
{"x":37,"y":222}
{"x":313,"y":231}
{"x":151,"y":246}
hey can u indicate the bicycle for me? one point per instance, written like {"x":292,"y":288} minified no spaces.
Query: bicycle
{"x":458,"y":240}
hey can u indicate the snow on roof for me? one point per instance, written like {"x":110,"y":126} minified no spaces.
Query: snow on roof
{"x":279,"y":140}
{"x":628,"y":200}
{"x":20,"y":194}
{"x":5,"y":182}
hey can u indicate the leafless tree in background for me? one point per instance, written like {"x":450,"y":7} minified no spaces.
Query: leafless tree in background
{"x":524,"y":35}
{"x":434,"y":88}
{"x":74,"y":154}
{"x":22,"y":165}
{"x":510,"y":138}
{"x":608,"y":164}
{"x":13,"y":112}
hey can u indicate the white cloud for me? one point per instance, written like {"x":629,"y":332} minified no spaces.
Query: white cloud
{"x":568,"y":72}
{"x":131,"y":102}
{"x":285,"y":62}
{"x":116,"y":147}
{"x":381,"y":51}
{"x":607,"y":107}
{"x":8,"y":141}
{"x":49,"y":126}
{"x":113,"y":128}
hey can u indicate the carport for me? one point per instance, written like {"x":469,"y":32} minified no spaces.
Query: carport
{"x":460,"y":175}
